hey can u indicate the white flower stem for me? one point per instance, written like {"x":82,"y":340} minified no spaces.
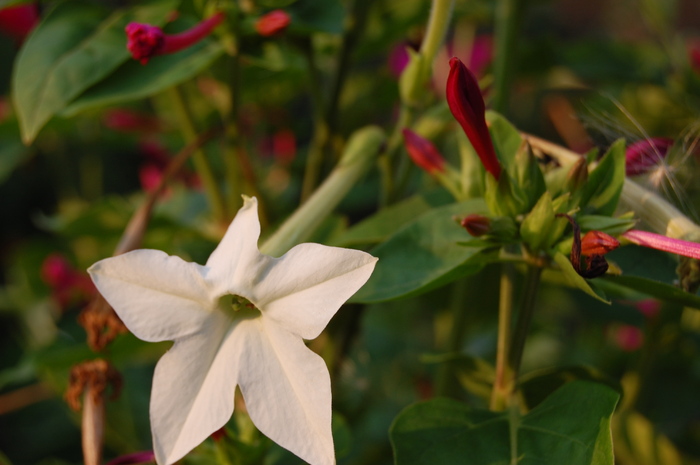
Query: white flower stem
{"x":359,"y":155}
{"x":92,"y":426}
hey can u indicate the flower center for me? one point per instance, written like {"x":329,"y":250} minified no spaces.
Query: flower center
{"x":238,"y":308}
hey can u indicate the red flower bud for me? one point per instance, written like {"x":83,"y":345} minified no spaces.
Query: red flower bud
{"x":645,"y":154}
{"x":145,"y":41}
{"x":423,"y":152}
{"x":598,"y":243}
{"x":467,"y":106}
{"x":18,"y":21}
{"x":476,"y":225}
{"x":272,"y":23}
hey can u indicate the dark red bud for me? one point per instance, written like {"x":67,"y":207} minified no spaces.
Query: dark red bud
{"x":272,"y":23}
{"x":19,"y":20}
{"x":477,"y":225}
{"x":467,"y":105}
{"x":423,"y":152}
{"x":598,"y":243}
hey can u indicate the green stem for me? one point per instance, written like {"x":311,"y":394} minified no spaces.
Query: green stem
{"x":507,"y":25}
{"x":503,"y":383}
{"x":314,"y":159}
{"x":359,"y":155}
{"x":522,"y":327}
{"x":439,"y":21}
{"x":444,"y":384}
{"x":199,"y":159}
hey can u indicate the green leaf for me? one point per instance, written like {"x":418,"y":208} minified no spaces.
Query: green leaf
{"x":133,"y":81}
{"x":536,"y":386}
{"x":506,"y":139}
{"x":606,"y":224}
{"x":576,"y":280}
{"x":473,"y":373}
{"x":572,"y":427}
{"x":604,"y":185}
{"x":72,"y":49}
{"x":387,"y":221}
{"x":424,"y":255}
{"x":657,"y":289}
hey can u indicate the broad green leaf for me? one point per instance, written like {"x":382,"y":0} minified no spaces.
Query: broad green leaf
{"x":506,"y":139}
{"x":572,"y":427}
{"x":423,"y":255}
{"x":536,"y":386}
{"x":604,"y":185}
{"x":657,"y":289}
{"x":72,"y":49}
{"x":576,"y":280}
{"x":389,"y":220}
{"x":133,"y":81}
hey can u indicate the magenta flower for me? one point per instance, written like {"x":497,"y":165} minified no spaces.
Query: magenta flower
{"x":667,"y":244}
{"x":467,"y":106}
{"x":645,"y":154}
{"x":598,"y":243}
{"x":145,"y":41}
{"x":423,"y":152}
{"x":272,"y":23}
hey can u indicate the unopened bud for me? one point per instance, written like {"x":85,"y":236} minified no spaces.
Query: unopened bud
{"x":577,"y":175}
{"x":423,"y":152}
{"x":476,"y":225}
{"x":272,"y":23}
{"x":598,"y":243}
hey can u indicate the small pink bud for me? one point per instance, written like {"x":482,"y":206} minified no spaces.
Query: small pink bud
{"x":145,"y":41}
{"x":125,"y":120}
{"x":284,"y":145}
{"x":423,"y":152}
{"x":648,"y":307}
{"x":467,"y":105}
{"x":645,"y":154}
{"x":146,"y":456}
{"x":477,"y":225}
{"x":272,"y":23}
{"x":598,"y":243}
{"x":56,"y":271}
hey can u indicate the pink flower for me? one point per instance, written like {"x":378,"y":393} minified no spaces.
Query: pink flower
{"x":645,"y":154}
{"x":18,"y":21}
{"x":467,"y":105}
{"x":68,"y":285}
{"x":272,"y":23}
{"x":423,"y":152}
{"x":628,"y":338}
{"x":145,"y":41}
{"x":667,"y":244}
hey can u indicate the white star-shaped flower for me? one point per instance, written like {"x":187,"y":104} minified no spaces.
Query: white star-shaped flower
{"x":238,"y":320}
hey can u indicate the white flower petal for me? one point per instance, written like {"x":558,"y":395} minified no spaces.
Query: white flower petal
{"x":287,"y":391}
{"x":158,"y":297}
{"x":193,"y":388}
{"x":304,"y":288}
{"x":231,"y":262}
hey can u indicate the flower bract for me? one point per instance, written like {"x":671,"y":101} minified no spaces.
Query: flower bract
{"x":238,"y":320}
